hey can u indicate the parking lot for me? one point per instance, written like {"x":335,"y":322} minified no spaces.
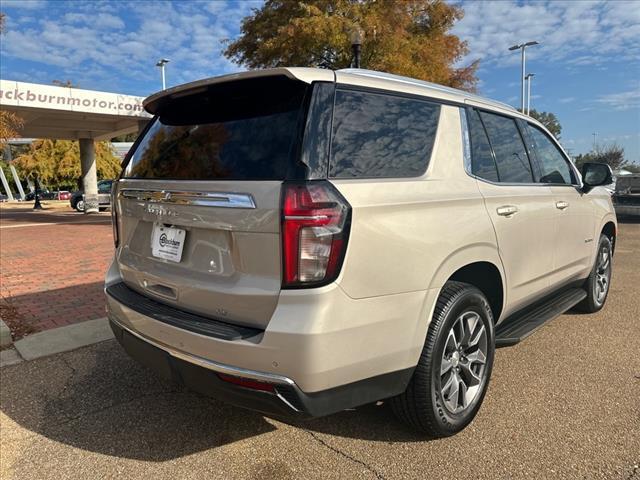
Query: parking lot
{"x":565,"y":403}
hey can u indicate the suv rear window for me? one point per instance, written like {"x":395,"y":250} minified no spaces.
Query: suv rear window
{"x":380,"y":135}
{"x":244,"y":130}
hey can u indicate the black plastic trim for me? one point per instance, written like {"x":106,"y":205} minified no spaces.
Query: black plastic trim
{"x":524,"y":322}
{"x":179,"y":318}
{"x":286,"y":401}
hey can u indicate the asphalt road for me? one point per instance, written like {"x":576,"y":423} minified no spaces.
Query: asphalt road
{"x":565,"y":403}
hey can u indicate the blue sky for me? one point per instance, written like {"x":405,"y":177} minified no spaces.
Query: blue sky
{"x":587,"y":68}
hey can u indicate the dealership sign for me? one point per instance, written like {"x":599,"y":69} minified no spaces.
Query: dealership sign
{"x":51,"y":97}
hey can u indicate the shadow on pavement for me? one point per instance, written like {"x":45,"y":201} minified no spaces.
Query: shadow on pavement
{"x":98,"y":399}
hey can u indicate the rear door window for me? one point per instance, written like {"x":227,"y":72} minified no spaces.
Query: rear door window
{"x":381,"y":135}
{"x":510,"y":153}
{"x":245,"y":130}
{"x":553,"y":164}
{"x":483,"y":164}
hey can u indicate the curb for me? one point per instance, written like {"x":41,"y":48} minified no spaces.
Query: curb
{"x":9,"y":357}
{"x":5,"y":335}
{"x":62,"y":339}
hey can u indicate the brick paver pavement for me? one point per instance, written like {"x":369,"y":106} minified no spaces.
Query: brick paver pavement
{"x":52,"y":265}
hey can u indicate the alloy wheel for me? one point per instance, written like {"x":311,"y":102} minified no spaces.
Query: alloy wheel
{"x":603,"y":274}
{"x":463,"y":365}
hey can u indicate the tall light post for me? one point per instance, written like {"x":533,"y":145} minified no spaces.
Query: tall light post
{"x":528,"y":79}
{"x":356,"y":46}
{"x":161,"y":63}
{"x":522,"y":47}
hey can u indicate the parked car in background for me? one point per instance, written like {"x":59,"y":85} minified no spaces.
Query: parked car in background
{"x":626,"y":198}
{"x":76,"y":199}
{"x":61,"y":195}
{"x":44,"y":194}
{"x":351,"y":236}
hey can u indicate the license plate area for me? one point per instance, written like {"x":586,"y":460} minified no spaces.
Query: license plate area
{"x":167,"y":242}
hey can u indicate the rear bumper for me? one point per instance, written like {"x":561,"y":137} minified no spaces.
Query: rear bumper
{"x":326,"y":350}
{"x":285,"y":400}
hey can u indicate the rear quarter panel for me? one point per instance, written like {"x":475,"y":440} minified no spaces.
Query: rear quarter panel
{"x":412,"y":234}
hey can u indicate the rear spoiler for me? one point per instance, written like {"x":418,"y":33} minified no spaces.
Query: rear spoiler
{"x":153,"y":103}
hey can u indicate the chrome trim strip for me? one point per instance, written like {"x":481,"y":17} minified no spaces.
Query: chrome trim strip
{"x":279,"y":395}
{"x":202,"y":199}
{"x":466,"y":142}
{"x":209,"y":364}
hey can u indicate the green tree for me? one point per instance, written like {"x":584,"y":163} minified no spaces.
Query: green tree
{"x":612,"y":155}
{"x":57,"y":162}
{"x":410,"y":37}
{"x":549,"y":120}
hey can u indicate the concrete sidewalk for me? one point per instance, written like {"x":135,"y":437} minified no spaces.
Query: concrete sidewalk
{"x":58,"y":340}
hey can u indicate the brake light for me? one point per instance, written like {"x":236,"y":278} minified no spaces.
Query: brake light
{"x":315,"y":229}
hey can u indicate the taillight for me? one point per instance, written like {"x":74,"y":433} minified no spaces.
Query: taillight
{"x":114,"y":214}
{"x":315,"y":228}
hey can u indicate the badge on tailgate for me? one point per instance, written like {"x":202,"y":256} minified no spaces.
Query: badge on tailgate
{"x":167,"y":242}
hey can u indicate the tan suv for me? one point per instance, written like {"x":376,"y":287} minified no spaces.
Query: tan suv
{"x":301,"y":241}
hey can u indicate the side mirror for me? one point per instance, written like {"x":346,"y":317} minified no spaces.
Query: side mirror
{"x":595,"y":175}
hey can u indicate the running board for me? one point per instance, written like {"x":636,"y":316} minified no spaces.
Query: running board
{"x":516,"y":328}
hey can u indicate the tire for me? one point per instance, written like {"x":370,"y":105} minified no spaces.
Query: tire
{"x":80,"y":205}
{"x":598,"y":283}
{"x":427,"y":405}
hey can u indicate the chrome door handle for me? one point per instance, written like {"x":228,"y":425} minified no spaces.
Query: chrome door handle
{"x":562,"y":205}
{"x":507,"y":210}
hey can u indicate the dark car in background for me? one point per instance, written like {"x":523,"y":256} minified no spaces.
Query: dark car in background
{"x":104,"y":196}
{"x":626,"y":198}
{"x":44,"y":194}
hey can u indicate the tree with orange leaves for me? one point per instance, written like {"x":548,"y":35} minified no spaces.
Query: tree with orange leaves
{"x":408,"y":37}
{"x":10,"y":123}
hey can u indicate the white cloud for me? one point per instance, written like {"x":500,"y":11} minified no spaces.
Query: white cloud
{"x":575,"y":32}
{"x":24,"y":4}
{"x":127,"y":39}
{"x":621,"y":100}
{"x":567,"y":100}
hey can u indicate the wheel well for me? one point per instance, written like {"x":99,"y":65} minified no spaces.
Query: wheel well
{"x":610,"y":231}
{"x":485,"y":277}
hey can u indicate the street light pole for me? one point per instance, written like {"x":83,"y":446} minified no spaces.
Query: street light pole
{"x":528,"y":78}
{"x":522,"y":47}
{"x":161,"y":63}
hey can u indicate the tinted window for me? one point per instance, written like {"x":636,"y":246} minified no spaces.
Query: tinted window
{"x":552,"y":162}
{"x":377,"y":135}
{"x":511,"y":156}
{"x":246,"y":130}
{"x":482,"y":163}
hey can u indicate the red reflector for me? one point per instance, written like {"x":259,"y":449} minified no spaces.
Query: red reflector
{"x":247,"y":383}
